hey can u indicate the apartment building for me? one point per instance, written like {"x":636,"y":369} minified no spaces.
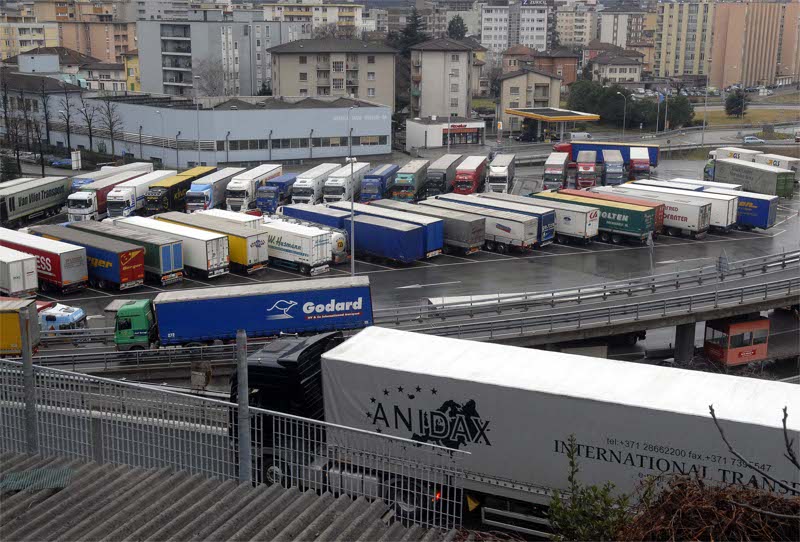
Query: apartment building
{"x":228,"y":51}
{"x":756,"y":43}
{"x":576,"y":24}
{"x":345,"y":18}
{"x":620,"y":25}
{"x":562,"y":63}
{"x":524,"y":22}
{"x":162,"y":10}
{"x":441,"y":78}
{"x":527,"y":87}
{"x":334,"y":67}
{"x":103,"y":76}
{"x":21,"y":34}
{"x":133,"y":78}
{"x":684,"y":31}
{"x":611,"y":68}
{"x":375,"y":20}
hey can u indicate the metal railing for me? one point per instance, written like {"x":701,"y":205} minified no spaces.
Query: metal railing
{"x":119,"y":423}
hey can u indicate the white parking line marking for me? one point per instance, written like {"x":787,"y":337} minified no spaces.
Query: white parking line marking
{"x":376,"y":265}
{"x":99,"y":292}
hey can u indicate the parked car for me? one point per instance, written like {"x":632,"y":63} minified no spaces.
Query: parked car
{"x":752,"y":140}
{"x":62,"y":162}
{"x":526,"y":137}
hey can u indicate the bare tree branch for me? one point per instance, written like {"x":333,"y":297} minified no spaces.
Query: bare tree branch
{"x":45,"y":110}
{"x":65,"y":113}
{"x":110,"y":119}
{"x":765,"y":512}
{"x":88,"y":111}
{"x":212,"y":77}
{"x":790,"y":455}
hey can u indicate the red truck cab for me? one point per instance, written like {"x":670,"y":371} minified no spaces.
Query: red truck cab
{"x":470,"y":175}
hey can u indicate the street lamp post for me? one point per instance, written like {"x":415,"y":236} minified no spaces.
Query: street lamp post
{"x":177,"y":149}
{"x":624,"y":113}
{"x":449,"y":114}
{"x":705,"y":111}
{"x":163,"y":141}
{"x":197,"y":108}
{"x":352,"y":160}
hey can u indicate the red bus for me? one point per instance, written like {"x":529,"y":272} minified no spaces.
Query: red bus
{"x":736,"y":341}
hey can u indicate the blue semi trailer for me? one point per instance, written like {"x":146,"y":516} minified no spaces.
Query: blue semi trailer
{"x":574,"y":147}
{"x":754,"y":210}
{"x":275,"y":192}
{"x":202,"y":316}
{"x":318,"y":214}
{"x":377,"y":181}
{"x":387,"y":239}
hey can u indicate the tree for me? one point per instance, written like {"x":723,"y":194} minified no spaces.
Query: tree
{"x":38,"y":137}
{"x":212,"y":77}
{"x":4,"y":101}
{"x":65,"y":113}
{"x":333,"y":30}
{"x":88,"y":111}
{"x":412,"y":34}
{"x":265,"y":90}
{"x":14,"y":135}
{"x":110,"y":119}
{"x":456,"y":28}
{"x":45,"y":110}
{"x":736,"y":103}
{"x":8,"y":169}
{"x":26,"y":118}
{"x":681,"y":111}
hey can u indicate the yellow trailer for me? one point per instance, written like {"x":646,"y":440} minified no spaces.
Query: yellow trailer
{"x":12,"y":311}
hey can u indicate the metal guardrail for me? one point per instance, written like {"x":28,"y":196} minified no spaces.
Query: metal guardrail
{"x":483,"y":305}
{"x":85,"y":335}
{"x":66,"y":414}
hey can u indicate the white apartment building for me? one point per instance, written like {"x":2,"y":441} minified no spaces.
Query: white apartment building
{"x":576,"y":25}
{"x":521,"y":23}
{"x":441,"y":78}
{"x":315,"y":15}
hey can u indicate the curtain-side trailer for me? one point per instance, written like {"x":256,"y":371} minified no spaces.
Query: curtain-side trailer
{"x":22,"y":202}
{"x":441,"y":174}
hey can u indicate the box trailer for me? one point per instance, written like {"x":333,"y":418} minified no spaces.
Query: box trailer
{"x":344,"y":184}
{"x":463,"y":234}
{"x":504,"y":229}
{"x":304,"y":248}
{"x":754,"y":210}
{"x":163,"y":255}
{"x":247,"y":247}
{"x":16,"y":315}
{"x":682,"y":215}
{"x":614,"y":167}
{"x":208,"y":192}
{"x":308,"y":186}
{"x":205,"y":253}
{"x":631,"y":421}
{"x":60,"y":267}
{"x":127,"y":197}
{"x":319,"y":214}
{"x":433,"y":228}
{"x":748,"y":155}
{"x":409,"y":181}
{"x":82,"y":179}
{"x":780,"y":161}
{"x":753,"y":177}
{"x":17,"y":273}
{"x":25,"y":201}
{"x":574,"y":223}
{"x":501,"y":173}
{"x":680,"y":185}
{"x":388,"y":239}
{"x":275,"y":192}
{"x":555,"y":171}
{"x":618,"y":221}
{"x":723,"y":207}
{"x":378,"y":182}
{"x":470,"y":175}
{"x":243,"y":219}
{"x":240,"y":194}
{"x":706,"y":184}
{"x":545,"y":216}
{"x":441,"y":175}
{"x":112,"y":264}
{"x":657,"y":207}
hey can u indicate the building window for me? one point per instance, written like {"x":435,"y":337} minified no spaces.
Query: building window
{"x":514,"y":91}
{"x":370,"y":76}
{"x":303,"y":59}
{"x":303,"y":76}
{"x":371,"y":92}
{"x":371,"y":59}
{"x":338,"y":84}
{"x":453,"y":87}
{"x":303,"y":92}
{"x":338,"y":66}
{"x":455,"y":72}
{"x":453,"y":102}
{"x":454,"y":58}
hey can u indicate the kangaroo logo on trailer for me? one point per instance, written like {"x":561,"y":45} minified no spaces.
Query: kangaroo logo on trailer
{"x":281,"y":309}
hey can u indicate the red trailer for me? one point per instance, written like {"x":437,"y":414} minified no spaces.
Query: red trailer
{"x":656,"y":206}
{"x":470,"y":175}
{"x":59,"y":266}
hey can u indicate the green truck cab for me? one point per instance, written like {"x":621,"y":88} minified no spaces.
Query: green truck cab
{"x":135,"y":326}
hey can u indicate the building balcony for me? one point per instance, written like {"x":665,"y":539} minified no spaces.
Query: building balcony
{"x":417,"y":77}
{"x":295,"y":13}
{"x":182,"y":51}
{"x":177,"y":83}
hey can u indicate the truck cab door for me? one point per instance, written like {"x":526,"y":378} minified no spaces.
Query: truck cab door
{"x":123,"y":331}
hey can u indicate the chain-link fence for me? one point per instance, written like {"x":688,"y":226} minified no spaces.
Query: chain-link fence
{"x":120,"y":423}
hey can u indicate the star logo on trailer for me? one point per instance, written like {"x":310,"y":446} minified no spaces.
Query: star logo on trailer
{"x":281,"y":310}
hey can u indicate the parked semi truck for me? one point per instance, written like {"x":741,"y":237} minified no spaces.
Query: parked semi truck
{"x":463,"y":234}
{"x":127,"y":198}
{"x":721,"y":153}
{"x":441,"y":175}
{"x":501,"y":173}
{"x":163,"y":255}
{"x":394,"y":382}
{"x":344,"y":184}
{"x":275,"y":192}
{"x":658,"y":207}
{"x":639,"y":163}
{"x":304,"y":248}
{"x":14,"y":314}
{"x":112,"y":264}
{"x":573,"y":223}
{"x":574,"y":147}
{"x":754,"y":210}
{"x":25,"y":201}
{"x":91,"y":201}
{"x":409,"y":181}
{"x":83,"y":179}
{"x":753,"y":177}
{"x":555,"y":171}
{"x":60,"y":317}
{"x":340,"y":250}
{"x":17,"y":273}
{"x":614,"y":171}
{"x":205,"y":253}
{"x":470,"y":175}
{"x":682,"y":215}
{"x":378,"y":182}
{"x":386,"y":239}
{"x":240,"y":194}
{"x":545,"y":216}
{"x":618,"y":221}
{"x":247,"y":247}
{"x":170,"y":194}
{"x":60,"y":267}
{"x":586,"y":172}
{"x":504,"y":230}
{"x":780,"y":161}
{"x":308,"y":186}
{"x":433,"y":229}
{"x":203,"y":316}
{"x":208,"y":192}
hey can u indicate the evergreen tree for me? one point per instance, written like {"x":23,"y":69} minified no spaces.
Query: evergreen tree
{"x":456,"y":28}
{"x":736,"y":103}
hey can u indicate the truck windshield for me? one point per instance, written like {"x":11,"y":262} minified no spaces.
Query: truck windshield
{"x":80,"y":203}
{"x":303,"y":192}
{"x":115,"y":208}
{"x":497,"y":179}
{"x":464,"y":185}
{"x":369,"y":189}
{"x":197,"y":198}
{"x":269,"y":192}
{"x":333,"y":190}
{"x":240,"y":194}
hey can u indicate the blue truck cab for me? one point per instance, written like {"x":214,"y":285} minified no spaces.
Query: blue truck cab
{"x":60,"y":317}
{"x":275,"y":193}
{"x":377,"y":181}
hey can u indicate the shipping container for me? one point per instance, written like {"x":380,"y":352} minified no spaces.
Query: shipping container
{"x":573,"y":222}
{"x":127,"y":198}
{"x":307,"y":249}
{"x":433,"y":229}
{"x":22,"y":202}
{"x":15,"y":316}
{"x":681,"y":214}
{"x":163,"y":255}
{"x":387,"y":239}
{"x":208,"y":192}
{"x":308,"y":186}
{"x":344,"y":184}
{"x":546,"y":217}
{"x":112,"y":264}
{"x":755,"y":210}
{"x":205,"y":254}
{"x":618,"y":221}
{"x":501,"y":173}
{"x":275,"y":192}
{"x":753,"y":177}
{"x":170,"y":194}
{"x":60,"y":266}
{"x":441,"y":175}
{"x":320,"y":214}
{"x":17,"y":273}
{"x":657,"y":207}
{"x":247,"y":246}
{"x":378,"y":182}
{"x":241,"y":192}
{"x":614,"y":172}
{"x":470,"y":175}
{"x":780,"y":161}
{"x":463,"y":234}
{"x":555,"y":171}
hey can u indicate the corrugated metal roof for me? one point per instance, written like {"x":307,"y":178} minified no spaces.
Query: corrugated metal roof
{"x":108,"y":502}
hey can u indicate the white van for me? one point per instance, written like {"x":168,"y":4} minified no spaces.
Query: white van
{"x":578,"y":136}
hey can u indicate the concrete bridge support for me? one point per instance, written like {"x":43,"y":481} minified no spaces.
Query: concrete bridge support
{"x":684,"y":342}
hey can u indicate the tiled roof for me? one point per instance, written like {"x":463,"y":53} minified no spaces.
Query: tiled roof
{"x":525,"y":70}
{"x":33,"y":83}
{"x":611,"y":59}
{"x":331,"y":45}
{"x":442,"y":44}
{"x":519,"y":50}
{"x":65,"y":55}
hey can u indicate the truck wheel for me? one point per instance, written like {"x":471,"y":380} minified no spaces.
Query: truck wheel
{"x":673,"y":232}
{"x":490,"y":246}
{"x":561,"y":239}
{"x":604,"y":236}
{"x":502,"y":248}
{"x":616,"y":239}
{"x":304,"y":269}
{"x":408,"y":498}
